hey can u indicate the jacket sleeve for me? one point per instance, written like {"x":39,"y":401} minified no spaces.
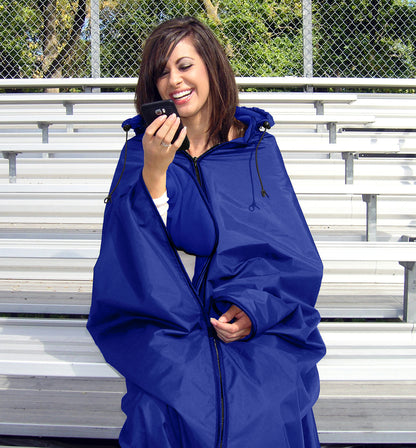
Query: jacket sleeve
{"x":145,"y":316}
{"x":268,"y":264}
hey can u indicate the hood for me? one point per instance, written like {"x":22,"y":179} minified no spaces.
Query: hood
{"x":253,"y":117}
{"x":136,"y":123}
{"x":258,"y":122}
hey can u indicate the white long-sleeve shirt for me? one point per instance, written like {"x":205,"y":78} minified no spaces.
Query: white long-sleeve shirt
{"x":162,"y":205}
{"x":188,"y":260}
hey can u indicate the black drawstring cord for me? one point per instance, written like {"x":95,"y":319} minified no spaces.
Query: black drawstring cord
{"x":265,"y":125}
{"x":126,"y":129}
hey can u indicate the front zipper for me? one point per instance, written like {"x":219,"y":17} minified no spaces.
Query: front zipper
{"x":222,"y":393}
{"x":196,"y":167}
{"x":221,"y":434}
{"x":199,"y":180}
{"x":217,"y":353}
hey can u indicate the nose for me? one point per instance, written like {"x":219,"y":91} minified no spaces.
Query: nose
{"x":175,"y":78}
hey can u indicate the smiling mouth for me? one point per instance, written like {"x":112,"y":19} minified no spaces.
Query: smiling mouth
{"x":181,"y":95}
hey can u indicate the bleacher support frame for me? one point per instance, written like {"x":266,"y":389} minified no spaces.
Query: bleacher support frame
{"x":53,"y":380}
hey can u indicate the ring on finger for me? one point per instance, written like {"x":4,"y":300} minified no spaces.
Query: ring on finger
{"x":165,"y":145}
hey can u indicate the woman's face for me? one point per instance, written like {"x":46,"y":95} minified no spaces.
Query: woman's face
{"x":185,"y":81}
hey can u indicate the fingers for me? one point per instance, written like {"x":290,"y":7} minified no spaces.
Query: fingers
{"x":238,"y":329}
{"x":162,"y":131}
{"x":159,"y":152}
{"x":181,"y":137}
{"x":229,"y":315}
{"x":232,"y":332}
{"x":155,"y":125}
{"x":173,"y":122}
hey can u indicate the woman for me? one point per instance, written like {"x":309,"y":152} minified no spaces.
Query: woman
{"x":225,"y":356}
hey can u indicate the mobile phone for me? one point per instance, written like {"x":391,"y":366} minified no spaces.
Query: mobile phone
{"x":150,"y":111}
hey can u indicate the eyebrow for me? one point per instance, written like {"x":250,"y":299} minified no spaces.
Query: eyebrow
{"x":184,"y":57}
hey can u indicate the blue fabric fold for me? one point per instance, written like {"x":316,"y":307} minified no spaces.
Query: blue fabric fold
{"x":186,"y":388}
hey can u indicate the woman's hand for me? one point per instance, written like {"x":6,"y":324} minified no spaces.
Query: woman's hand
{"x":233,"y":325}
{"x":159,"y":152}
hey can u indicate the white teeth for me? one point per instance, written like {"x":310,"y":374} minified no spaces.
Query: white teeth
{"x":181,"y":94}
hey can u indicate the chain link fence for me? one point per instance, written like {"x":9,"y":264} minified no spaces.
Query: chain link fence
{"x":103,"y":38}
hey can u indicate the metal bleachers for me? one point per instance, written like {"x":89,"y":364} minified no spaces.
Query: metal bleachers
{"x":356,"y":183}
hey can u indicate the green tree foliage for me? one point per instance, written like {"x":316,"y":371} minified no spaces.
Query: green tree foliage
{"x":265,"y":36}
{"x":19,"y":46}
{"x":62,"y":22}
{"x":125,"y":24}
{"x":369,"y":38}
{"x":46,"y":38}
{"x":353,"y":38}
{"x":41,"y":38}
{"x":260,"y":36}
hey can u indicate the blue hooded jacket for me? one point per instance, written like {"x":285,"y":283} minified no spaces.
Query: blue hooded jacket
{"x":185,"y":387}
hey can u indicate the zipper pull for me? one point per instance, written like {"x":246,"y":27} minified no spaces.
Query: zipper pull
{"x":198,"y":176}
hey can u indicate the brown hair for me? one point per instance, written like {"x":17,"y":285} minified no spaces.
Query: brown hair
{"x":223,"y":89}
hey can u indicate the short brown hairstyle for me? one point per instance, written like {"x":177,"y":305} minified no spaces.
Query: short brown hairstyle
{"x":223,"y":88}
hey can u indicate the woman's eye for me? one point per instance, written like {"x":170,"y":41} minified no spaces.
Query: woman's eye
{"x":185,"y":67}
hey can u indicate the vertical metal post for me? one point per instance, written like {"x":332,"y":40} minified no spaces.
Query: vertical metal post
{"x":45,"y":131}
{"x":69,"y":107}
{"x":332,"y":132}
{"x":319,"y":107}
{"x":319,"y":110}
{"x":307,"y":38}
{"x":349,"y":166}
{"x":409,"y":302}
{"x":95,"y":40}
{"x":11,"y":156}
{"x":409,"y":305}
{"x":371,"y":221}
{"x":45,"y":138}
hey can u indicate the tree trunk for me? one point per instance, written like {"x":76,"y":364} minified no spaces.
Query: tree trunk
{"x":49,"y":36}
{"x":212,"y":13}
{"x":54,"y":57}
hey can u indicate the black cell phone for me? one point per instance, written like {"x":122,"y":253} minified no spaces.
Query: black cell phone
{"x":150,"y":111}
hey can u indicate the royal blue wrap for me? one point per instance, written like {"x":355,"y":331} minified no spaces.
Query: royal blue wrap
{"x":185,"y":387}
